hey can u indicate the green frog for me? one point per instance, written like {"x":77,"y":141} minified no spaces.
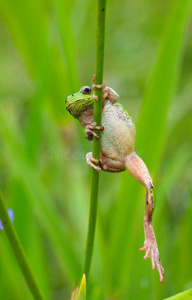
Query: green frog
{"x":117,"y":151}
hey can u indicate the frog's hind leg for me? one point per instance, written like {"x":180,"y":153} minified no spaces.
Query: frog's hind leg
{"x":138,"y":169}
{"x":111,"y":165}
{"x":91,"y":161}
{"x":106,"y":164}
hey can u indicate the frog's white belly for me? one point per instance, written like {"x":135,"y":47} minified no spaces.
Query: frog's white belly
{"x":118,"y":137}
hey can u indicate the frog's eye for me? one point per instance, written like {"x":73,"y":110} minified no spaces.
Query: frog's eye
{"x":86,"y":90}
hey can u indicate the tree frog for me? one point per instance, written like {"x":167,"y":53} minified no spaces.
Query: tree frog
{"x":117,"y":152}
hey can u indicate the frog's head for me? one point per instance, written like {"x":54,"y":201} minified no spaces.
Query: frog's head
{"x":79,"y":102}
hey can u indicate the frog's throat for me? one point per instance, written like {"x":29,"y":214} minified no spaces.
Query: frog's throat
{"x":78,"y":107}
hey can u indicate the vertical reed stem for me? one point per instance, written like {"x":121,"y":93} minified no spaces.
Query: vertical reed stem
{"x":100,"y":38}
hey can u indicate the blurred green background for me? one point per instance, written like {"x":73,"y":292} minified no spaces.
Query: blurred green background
{"x":47,"y":52}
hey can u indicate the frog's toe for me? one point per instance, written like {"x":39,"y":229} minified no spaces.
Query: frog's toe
{"x":98,"y":86}
{"x":95,"y":97}
{"x":153,"y":252}
{"x":101,"y":128}
{"x":90,"y":132}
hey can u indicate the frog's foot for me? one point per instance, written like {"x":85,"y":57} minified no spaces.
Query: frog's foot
{"x":107,"y":93}
{"x":150,"y":245}
{"x":98,"y":86}
{"x":89,"y":129}
{"x":91,"y":160}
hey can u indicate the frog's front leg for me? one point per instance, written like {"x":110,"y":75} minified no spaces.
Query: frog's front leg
{"x":107,"y":93}
{"x":138,"y":169}
{"x":89,"y":129}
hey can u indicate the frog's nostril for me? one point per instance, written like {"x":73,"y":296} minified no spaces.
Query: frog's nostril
{"x":72,"y":95}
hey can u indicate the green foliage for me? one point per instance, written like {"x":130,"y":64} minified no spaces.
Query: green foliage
{"x":80,"y":293}
{"x":18,"y":251}
{"x":182,"y":296}
{"x":47,"y":48}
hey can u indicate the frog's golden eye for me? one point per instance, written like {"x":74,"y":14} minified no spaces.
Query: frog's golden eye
{"x":86,"y":90}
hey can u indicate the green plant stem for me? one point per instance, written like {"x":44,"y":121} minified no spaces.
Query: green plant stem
{"x":18,"y":251}
{"x":96,"y":143}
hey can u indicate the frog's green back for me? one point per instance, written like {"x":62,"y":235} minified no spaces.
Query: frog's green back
{"x":123,"y":109}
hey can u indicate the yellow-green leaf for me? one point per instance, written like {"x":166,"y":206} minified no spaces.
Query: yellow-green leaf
{"x":187,"y":295}
{"x":82,"y":290}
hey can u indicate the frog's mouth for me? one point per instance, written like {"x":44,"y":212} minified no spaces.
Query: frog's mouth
{"x":75,"y":103}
